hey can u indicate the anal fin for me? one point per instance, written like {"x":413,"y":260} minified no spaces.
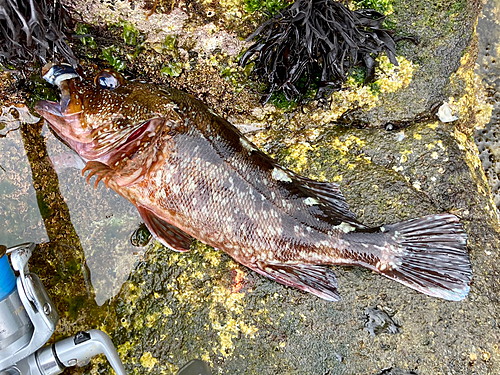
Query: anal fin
{"x":168,"y":234}
{"x":315,"y":279}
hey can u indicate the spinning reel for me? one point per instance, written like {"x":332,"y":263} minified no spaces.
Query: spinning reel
{"x":28,"y":319}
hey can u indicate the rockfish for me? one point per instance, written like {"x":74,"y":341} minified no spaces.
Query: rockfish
{"x":191,"y":174}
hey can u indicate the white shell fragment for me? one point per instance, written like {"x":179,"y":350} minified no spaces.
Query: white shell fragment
{"x":445,"y":113}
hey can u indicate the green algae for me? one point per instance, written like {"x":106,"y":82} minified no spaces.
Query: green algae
{"x":110,"y":54}
{"x":279,"y":100}
{"x":173,"y":69}
{"x":382,"y":6}
{"x":38,"y":89}
{"x":170,"y":45}
{"x":86,"y":39}
{"x":271,"y":6}
{"x":43,"y":207}
{"x":130,"y":33}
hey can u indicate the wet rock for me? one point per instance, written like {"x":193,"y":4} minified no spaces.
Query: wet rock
{"x":174,"y":307}
{"x":395,"y":371}
{"x":444,"y":29}
{"x":488,"y":70}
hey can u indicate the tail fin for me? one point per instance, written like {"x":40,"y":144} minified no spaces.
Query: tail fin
{"x":429,"y":255}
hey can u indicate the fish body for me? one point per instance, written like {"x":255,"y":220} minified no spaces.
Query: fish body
{"x":192,"y":174}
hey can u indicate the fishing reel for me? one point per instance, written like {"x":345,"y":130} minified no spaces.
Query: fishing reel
{"x":28,"y":319}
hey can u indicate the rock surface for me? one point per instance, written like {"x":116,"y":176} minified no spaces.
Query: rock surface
{"x":174,"y":307}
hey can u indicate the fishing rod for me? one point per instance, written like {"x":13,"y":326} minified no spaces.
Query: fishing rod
{"x":28,"y":319}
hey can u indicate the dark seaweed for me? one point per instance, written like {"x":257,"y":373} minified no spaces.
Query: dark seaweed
{"x":32,"y":30}
{"x":317,"y":43}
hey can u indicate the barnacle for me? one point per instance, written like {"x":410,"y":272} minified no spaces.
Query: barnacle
{"x":33,"y":30}
{"x":316,"y":43}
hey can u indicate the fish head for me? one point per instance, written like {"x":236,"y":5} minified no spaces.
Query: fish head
{"x":104,"y":117}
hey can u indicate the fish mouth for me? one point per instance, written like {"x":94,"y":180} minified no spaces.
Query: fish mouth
{"x":65,"y":116}
{"x":66,"y":126}
{"x":46,"y":108}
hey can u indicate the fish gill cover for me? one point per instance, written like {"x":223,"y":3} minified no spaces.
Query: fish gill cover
{"x":317,"y":43}
{"x":33,"y":30}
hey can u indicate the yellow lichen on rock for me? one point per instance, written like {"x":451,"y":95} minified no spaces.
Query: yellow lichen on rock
{"x":167,"y":311}
{"x":151,"y":319}
{"x":474,"y":164}
{"x":233,"y":9}
{"x":388,"y":78}
{"x":296,"y":157}
{"x":471,"y":105}
{"x":404,"y":155}
{"x":225,"y":304}
{"x":125,"y":349}
{"x":346,"y":144}
{"x":394,"y":77}
{"x":148,"y":361}
{"x":228,"y":325}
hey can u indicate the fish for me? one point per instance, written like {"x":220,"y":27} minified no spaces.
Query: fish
{"x":193,"y":175}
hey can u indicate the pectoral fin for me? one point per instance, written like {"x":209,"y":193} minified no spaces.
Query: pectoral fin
{"x":166,"y":233}
{"x":100,"y":170}
{"x":318,"y":280}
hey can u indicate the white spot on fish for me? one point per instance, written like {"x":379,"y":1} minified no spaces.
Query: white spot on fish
{"x":247,"y":145}
{"x":280,"y":175}
{"x":345,"y":227}
{"x":158,"y":178}
{"x":311,"y":201}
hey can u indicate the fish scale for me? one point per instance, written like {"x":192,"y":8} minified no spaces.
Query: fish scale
{"x":191,"y":174}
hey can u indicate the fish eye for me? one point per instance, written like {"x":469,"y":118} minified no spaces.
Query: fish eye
{"x":107,"y":80}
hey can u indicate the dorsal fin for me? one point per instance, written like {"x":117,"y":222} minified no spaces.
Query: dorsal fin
{"x":319,"y":205}
{"x":331,"y":201}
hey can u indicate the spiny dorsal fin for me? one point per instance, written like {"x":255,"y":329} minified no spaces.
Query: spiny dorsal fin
{"x":319,"y":205}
